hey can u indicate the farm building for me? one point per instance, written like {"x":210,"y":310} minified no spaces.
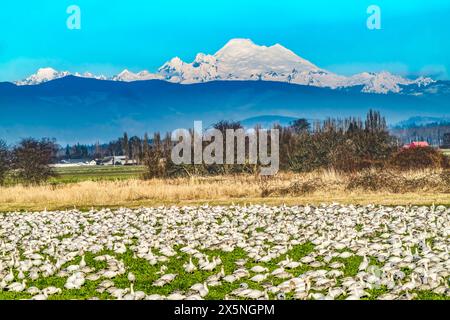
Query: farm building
{"x":74,"y":163}
{"x":116,"y":161}
{"x":417,"y":144}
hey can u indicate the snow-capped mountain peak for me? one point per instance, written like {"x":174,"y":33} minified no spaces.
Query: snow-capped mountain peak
{"x":125,"y":75}
{"x":46,"y":73}
{"x":245,"y":51}
{"x":424,"y":81}
{"x":238,"y":42}
{"x":240,"y":59}
{"x":128,"y":76}
{"x":384,"y":82}
{"x":43,"y":75}
{"x":237,"y":48}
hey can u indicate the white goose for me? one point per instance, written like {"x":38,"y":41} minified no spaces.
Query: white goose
{"x":17,"y":286}
{"x":189,"y":267}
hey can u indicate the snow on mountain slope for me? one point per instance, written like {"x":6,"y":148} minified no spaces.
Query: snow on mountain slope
{"x":128,"y":76}
{"x":241,"y":59}
{"x":203,"y":69}
{"x":385,"y":82}
{"x":90,"y":75}
{"x":43,"y":75}
{"x":382,"y":82}
{"x":49,"y":74}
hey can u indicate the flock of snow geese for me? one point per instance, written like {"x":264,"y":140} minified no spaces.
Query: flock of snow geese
{"x":400,"y":252}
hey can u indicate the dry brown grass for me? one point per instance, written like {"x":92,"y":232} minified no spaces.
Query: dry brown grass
{"x":288,"y":188}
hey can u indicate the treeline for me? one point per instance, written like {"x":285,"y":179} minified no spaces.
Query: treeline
{"x":133,"y":148}
{"x":434,"y":133}
{"x":27,"y":162}
{"x":351,"y":145}
{"x":346,"y":145}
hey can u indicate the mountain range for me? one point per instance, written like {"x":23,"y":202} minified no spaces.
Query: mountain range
{"x":241,"y":59}
{"x":242,"y":81}
{"x":418,"y":121}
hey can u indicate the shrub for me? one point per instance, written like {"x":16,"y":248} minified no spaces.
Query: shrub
{"x":156,"y":165}
{"x":345,"y":158}
{"x":446,"y":162}
{"x":302,"y":187}
{"x":417,"y":158}
{"x":370,"y":180}
{"x":265,"y":184}
{"x":396,"y":182}
{"x":445,"y":178}
{"x":297,"y":188}
{"x":347,"y":145}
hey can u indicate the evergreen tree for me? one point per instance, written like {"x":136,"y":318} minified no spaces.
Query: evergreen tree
{"x":67,"y":152}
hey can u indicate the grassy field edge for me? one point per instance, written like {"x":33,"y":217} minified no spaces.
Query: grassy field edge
{"x":360,"y":199}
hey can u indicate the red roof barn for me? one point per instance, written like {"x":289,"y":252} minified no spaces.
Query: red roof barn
{"x":417,"y":144}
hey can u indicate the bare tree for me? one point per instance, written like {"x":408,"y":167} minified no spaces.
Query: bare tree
{"x":135,"y":146}
{"x":125,"y":147}
{"x":156,"y":159}
{"x":32,"y":159}
{"x":4,"y":161}
{"x":146,"y":146}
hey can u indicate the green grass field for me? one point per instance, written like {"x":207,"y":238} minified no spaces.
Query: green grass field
{"x":96,"y":173}
{"x":146,"y":274}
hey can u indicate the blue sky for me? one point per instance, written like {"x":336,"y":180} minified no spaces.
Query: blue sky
{"x":144,"y":34}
